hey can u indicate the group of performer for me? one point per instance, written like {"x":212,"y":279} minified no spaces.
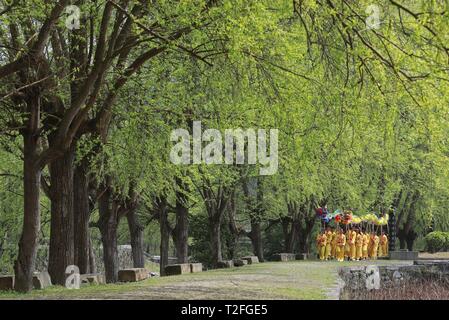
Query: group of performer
{"x":353,"y":244}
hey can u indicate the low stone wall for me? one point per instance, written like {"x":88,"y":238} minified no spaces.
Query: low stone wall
{"x":284,"y":257}
{"x":375,"y":277}
{"x":403,"y":255}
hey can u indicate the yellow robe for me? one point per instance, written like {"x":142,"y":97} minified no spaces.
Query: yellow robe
{"x":328,"y":250}
{"x":352,"y":243}
{"x":383,"y":246}
{"x":370,"y":246}
{"x":359,"y":246}
{"x":365,"y":246}
{"x":334,"y":245}
{"x":375,"y":247}
{"x":321,"y":243}
{"x":347,"y":245}
{"x":340,"y":249}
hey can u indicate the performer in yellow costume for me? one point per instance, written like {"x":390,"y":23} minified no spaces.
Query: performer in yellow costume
{"x":359,"y":246}
{"x":370,"y":244}
{"x":334,"y":245}
{"x":340,"y":248}
{"x":375,"y":247}
{"x":347,"y":245}
{"x":365,"y":245}
{"x":352,"y":239}
{"x":321,"y":245}
{"x":383,"y":245}
{"x":328,"y":251}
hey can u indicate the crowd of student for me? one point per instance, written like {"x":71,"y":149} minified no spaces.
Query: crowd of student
{"x":354,"y":244}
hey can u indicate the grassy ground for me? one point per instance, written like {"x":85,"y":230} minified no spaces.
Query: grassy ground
{"x":270,"y":280}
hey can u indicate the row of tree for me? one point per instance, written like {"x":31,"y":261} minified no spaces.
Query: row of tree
{"x":362,"y":117}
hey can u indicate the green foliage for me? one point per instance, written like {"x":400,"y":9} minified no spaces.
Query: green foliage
{"x":437,"y":241}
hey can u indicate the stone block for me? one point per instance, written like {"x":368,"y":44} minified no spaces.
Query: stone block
{"x":133,"y":275}
{"x":403,"y":255}
{"x":93,"y":278}
{"x":240,"y":262}
{"x":6,"y":283}
{"x":41,"y":280}
{"x":196,"y":267}
{"x":176,"y":269}
{"x":251,"y":259}
{"x":284,"y":257}
{"x":225,"y":264}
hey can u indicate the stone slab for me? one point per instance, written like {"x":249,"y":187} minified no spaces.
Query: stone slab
{"x":176,"y":269}
{"x":196,"y":267}
{"x":240,"y":262}
{"x":41,"y":280}
{"x":132,"y":275}
{"x":93,"y":278}
{"x":284,"y":257}
{"x":6,"y":283}
{"x":251,"y":259}
{"x":403,"y":255}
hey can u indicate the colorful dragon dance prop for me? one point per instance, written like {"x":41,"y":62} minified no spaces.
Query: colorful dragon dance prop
{"x":347,"y":217}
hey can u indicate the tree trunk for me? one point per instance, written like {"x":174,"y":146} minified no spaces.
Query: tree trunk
{"x":234,"y":230}
{"x":215,"y":239}
{"x":288,"y":230}
{"x":181,"y":231}
{"x":410,"y":243}
{"x":304,"y":235}
{"x":296,"y":227}
{"x":136,"y":234}
{"x":165,"y":236}
{"x":291,"y":237}
{"x":62,"y":219}
{"x":81,"y":217}
{"x":231,"y":245}
{"x":216,"y":206}
{"x":92,"y":259}
{"x":24,"y":265}
{"x":410,"y":239}
{"x":402,"y":242}
{"x":108,"y":225}
{"x":256,"y":240}
{"x":2,"y":242}
{"x":254,"y":205}
{"x":110,"y":253}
